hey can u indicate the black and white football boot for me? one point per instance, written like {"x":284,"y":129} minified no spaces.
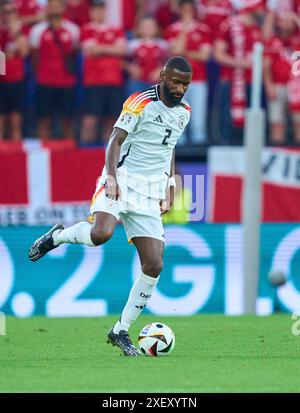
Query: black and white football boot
{"x":123,"y":341}
{"x":44,"y":244}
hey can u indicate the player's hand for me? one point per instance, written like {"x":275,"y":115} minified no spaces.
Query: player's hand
{"x":89,"y":47}
{"x":245,"y":63}
{"x":166,"y":204}
{"x":112,"y":190}
{"x":164,"y":207}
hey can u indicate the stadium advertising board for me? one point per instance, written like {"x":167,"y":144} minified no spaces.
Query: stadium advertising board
{"x":202,"y":273}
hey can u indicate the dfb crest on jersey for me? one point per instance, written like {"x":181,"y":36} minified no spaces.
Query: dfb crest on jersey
{"x":181,"y":121}
{"x":126,"y":118}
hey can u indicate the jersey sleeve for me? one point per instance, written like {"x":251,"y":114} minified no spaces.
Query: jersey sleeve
{"x":188,"y":118}
{"x":207,"y":35}
{"x":74,"y":32}
{"x":35,"y":35}
{"x":131,"y":112}
{"x":223,"y":31}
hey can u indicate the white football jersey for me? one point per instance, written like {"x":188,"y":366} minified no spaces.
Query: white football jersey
{"x":153,"y":130}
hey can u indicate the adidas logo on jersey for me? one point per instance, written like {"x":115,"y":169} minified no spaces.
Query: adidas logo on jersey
{"x":158,"y":119}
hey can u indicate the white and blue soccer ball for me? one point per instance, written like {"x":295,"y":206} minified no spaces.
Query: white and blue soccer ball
{"x":156,"y":339}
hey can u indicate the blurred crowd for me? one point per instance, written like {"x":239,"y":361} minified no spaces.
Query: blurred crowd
{"x":70,"y":64}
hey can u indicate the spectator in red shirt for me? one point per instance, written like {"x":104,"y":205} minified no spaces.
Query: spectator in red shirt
{"x":281,"y":82}
{"x":124,"y":13}
{"x":103,"y":47}
{"x":167,"y":14}
{"x":296,"y":6}
{"x":191,"y":39}
{"x":30,"y":12}
{"x":14,"y":44}
{"x":214,"y":12}
{"x":233,"y":50}
{"x":54,"y":43}
{"x":77,"y":11}
{"x":147,"y":54}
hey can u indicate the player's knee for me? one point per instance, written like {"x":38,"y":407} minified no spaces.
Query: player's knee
{"x":100,"y":235}
{"x":153,"y":268}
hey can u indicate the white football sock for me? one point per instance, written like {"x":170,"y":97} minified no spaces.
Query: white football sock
{"x":139,"y":296}
{"x":78,"y":234}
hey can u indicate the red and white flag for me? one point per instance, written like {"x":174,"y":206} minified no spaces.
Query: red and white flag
{"x":40,"y":186}
{"x":280,"y":184}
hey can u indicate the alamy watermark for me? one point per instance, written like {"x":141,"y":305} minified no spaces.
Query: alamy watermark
{"x":295,"y":329}
{"x":140,"y":193}
{"x":2,"y":64}
{"x":2,"y":324}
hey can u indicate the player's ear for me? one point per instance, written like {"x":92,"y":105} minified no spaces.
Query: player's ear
{"x":162,"y":76}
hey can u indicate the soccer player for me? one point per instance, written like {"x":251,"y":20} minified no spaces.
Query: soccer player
{"x":137,"y":185}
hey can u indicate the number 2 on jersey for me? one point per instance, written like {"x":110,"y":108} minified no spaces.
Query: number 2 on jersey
{"x":167,"y":136}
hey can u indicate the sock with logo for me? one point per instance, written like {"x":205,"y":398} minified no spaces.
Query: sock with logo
{"x":78,"y":234}
{"x":139,"y":296}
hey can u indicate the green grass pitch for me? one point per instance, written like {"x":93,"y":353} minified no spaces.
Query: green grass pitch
{"x":213,"y":353}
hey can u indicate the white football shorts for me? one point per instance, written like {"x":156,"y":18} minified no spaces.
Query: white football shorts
{"x":139,"y":214}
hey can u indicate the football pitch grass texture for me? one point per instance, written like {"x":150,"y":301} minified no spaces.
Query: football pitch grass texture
{"x":213,"y":353}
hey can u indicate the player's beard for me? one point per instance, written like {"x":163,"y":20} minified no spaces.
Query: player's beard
{"x":173,"y":100}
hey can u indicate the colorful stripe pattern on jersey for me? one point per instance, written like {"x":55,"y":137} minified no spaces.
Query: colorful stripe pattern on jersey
{"x":134,"y":106}
{"x":138,"y":101}
{"x":185,"y":105}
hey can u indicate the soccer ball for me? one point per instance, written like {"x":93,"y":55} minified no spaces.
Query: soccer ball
{"x":277,"y":278}
{"x":156,"y":339}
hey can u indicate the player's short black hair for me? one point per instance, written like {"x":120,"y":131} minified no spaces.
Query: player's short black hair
{"x":180,"y":63}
